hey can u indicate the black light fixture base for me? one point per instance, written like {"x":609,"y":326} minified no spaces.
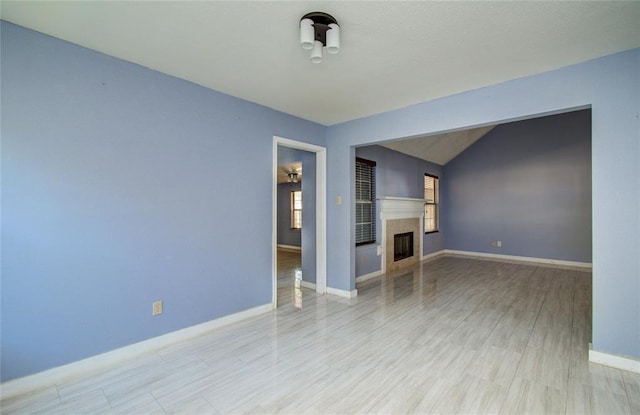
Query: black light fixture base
{"x":321,"y":22}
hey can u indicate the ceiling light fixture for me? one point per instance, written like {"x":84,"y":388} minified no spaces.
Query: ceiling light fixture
{"x":318,"y":30}
{"x":293,"y":178}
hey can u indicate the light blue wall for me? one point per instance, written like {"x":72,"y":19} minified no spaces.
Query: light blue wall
{"x":288,"y":155}
{"x":611,"y":86}
{"x":397,"y":175}
{"x":120,"y":187}
{"x":527,"y":184}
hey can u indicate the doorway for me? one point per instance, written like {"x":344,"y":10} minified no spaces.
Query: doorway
{"x":313,"y":238}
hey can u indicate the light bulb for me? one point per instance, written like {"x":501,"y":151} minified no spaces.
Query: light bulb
{"x":307,"y":34}
{"x":316,"y":52}
{"x":333,"y":39}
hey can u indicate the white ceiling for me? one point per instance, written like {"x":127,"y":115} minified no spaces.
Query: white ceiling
{"x":393,"y":53}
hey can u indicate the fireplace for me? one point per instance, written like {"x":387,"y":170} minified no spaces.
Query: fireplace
{"x":402,"y":222}
{"x":402,"y":246}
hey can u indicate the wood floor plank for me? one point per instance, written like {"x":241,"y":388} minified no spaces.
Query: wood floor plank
{"x":450,"y":335}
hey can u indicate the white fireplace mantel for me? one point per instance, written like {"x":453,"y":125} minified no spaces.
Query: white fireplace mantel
{"x":401,"y":208}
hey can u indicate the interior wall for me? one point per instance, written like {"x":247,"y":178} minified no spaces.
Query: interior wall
{"x":610,"y":86}
{"x":111,"y":194}
{"x":526,"y":184}
{"x":286,"y":235}
{"x":309,"y":216}
{"x":397,"y":175}
{"x":120,"y":187}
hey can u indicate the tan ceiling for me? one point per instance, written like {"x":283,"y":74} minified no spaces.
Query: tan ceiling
{"x":394,"y":53}
{"x":285,"y":169}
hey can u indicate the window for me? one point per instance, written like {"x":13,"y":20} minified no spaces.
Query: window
{"x":296,"y":209}
{"x":365,"y":201}
{"x":431,"y":204}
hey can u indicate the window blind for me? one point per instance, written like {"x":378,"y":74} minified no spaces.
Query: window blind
{"x":365,"y":201}
{"x":431,"y":203}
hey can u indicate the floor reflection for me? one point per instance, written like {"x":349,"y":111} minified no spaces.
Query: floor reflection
{"x":290,"y":286}
{"x":297,"y":289}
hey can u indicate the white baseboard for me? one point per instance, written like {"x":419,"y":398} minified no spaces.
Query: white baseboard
{"x":583,"y":265}
{"x":613,"y":360}
{"x":342,"y":293}
{"x":369,"y":276}
{"x":290,"y":247}
{"x":443,"y":252}
{"x":308,"y":284}
{"x":104,"y":360}
{"x":432,"y":255}
{"x":379,"y":272}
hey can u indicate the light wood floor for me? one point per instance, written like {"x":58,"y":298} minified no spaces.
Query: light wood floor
{"x":289,"y":266}
{"x":450,"y":336}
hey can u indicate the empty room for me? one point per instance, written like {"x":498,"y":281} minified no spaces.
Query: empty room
{"x":320,"y":207}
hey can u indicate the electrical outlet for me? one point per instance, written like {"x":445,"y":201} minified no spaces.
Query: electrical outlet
{"x":493,"y":243}
{"x":499,"y":244}
{"x":364,"y":259}
{"x":157,"y":308}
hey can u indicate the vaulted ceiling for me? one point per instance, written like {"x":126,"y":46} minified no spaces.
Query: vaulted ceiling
{"x":393,"y":53}
{"x":439,"y":148}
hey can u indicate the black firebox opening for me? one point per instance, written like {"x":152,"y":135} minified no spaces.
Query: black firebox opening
{"x":402,"y":246}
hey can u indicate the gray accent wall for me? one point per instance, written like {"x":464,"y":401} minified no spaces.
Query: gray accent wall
{"x":526,"y":184}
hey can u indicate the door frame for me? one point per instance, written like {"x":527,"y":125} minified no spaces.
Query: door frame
{"x":321,"y":213}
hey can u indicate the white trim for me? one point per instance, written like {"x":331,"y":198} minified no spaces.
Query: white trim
{"x":619,"y":362}
{"x":584,"y":265}
{"x":104,"y":360}
{"x":290,"y":247}
{"x":401,"y":207}
{"x":321,"y":214}
{"x":342,"y":293}
{"x":432,"y":255}
{"x":307,"y":284}
{"x":369,"y":276}
{"x":274,"y":225}
{"x":321,"y":221}
{"x":444,"y":252}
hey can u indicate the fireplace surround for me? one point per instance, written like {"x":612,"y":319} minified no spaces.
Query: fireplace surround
{"x":400,"y":215}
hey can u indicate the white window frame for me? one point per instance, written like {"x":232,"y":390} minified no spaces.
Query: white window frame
{"x":431,"y":205}
{"x":296,"y":211}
